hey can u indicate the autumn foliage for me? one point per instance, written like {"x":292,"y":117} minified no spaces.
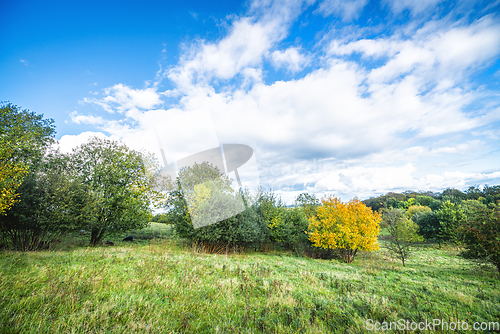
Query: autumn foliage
{"x":348,"y":227}
{"x":11,"y":175}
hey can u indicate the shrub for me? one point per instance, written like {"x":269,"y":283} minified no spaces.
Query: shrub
{"x":209,"y":194}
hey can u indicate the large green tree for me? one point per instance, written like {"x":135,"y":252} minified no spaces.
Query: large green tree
{"x":11,"y":176}
{"x":471,"y":207}
{"x":118,"y":187}
{"x":50,"y":206}
{"x":24,"y":138}
{"x":482,"y":235}
{"x":428,"y":223}
{"x":451,"y":217}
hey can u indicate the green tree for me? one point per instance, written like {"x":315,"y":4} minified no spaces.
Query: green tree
{"x":24,"y":137}
{"x":451,"y":217}
{"x":403,"y":233}
{"x":49,"y":207}
{"x":118,"y":185}
{"x":161,"y":218}
{"x":473,"y":193}
{"x":482,"y":235}
{"x":471,"y":207}
{"x":274,"y":214}
{"x":25,"y":133}
{"x":11,"y":176}
{"x":212,"y":201}
{"x":430,"y":202}
{"x":491,"y":194}
{"x":298,"y":238}
{"x":428,"y":224}
{"x":452,"y":195}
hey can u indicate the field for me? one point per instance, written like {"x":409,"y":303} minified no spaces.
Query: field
{"x":164,"y":285}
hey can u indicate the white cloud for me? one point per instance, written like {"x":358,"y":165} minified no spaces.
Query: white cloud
{"x":367,"y":47}
{"x":422,"y":79}
{"x":123,"y":98}
{"x":291,"y":59}
{"x":367,"y":181}
{"x":447,"y":52}
{"x":84,"y":119}
{"x":348,"y":10}
{"x":68,"y":142}
{"x":249,"y":39}
{"x":414,"y":6}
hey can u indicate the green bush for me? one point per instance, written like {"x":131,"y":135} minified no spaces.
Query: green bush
{"x":244,"y":229}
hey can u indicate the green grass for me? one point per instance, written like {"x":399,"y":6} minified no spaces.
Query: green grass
{"x":154,"y":230}
{"x":161,"y":286}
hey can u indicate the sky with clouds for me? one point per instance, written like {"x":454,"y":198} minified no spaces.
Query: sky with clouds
{"x":352,"y":98}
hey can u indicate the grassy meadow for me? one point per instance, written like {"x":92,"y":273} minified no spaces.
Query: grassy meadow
{"x":160,"y":284}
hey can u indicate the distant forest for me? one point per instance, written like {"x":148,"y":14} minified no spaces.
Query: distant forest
{"x":489,"y":194}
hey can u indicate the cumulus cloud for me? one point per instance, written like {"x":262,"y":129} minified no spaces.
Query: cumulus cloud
{"x":449,"y":50}
{"x":123,"y":98}
{"x":364,"y":182}
{"x":290,"y":59}
{"x":86,"y":119}
{"x":249,"y":39}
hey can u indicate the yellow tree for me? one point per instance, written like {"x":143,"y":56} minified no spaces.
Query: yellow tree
{"x":11,"y":175}
{"x":348,"y":227}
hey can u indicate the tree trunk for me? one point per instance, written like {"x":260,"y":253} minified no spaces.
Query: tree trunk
{"x":95,"y":237}
{"x":403,"y":261}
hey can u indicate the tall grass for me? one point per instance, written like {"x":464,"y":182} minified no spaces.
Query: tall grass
{"x":163,"y":286}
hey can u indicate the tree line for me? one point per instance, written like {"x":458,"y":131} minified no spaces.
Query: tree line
{"x":106,"y":188}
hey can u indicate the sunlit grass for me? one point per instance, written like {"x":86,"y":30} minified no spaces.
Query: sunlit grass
{"x":161,"y":286}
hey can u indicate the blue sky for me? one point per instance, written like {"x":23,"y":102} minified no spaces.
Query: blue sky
{"x":352,"y":98}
